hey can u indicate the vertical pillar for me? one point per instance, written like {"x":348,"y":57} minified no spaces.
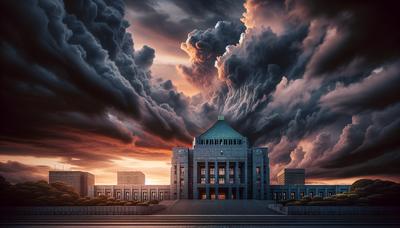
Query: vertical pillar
{"x":246,"y":180}
{"x":216,"y":178}
{"x":207,"y":181}
{"x":229,"y":196}
{"x":237,"y":182}
{"x":178,"y":181}
{"x":195,"y":181}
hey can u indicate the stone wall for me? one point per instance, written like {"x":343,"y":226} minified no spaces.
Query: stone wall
{"x":83,"y":210}
{"x":341,"y":210}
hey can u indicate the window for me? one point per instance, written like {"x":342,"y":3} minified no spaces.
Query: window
{"x":202,"y":180}
{"x":330,"y":193}
{"x":231,"y":181}
{"x":230,"y":141}
{"x":234,"y":142}
{"x":182,"y":182}
{"x":212,"y":180}
{"x":161,"y":196}
{"x":292,"y":195}
{"x":231,"y":171}
{"x":275,"y":196}
{"x":203,"y":171}
{"x":144,"y":196}
{"x":182,"y":171}
{"x":135,"y":195}
{"x":302,"y":194}
{"x":126,"y":195}
{"x":221,"y":171}
{"x":211,"y":171}
{"x":240,"y":142}
{"x":153,"y":195}
{"x":221,"y":180}
{"x":321,"y":194}
{"x":311,"y":194}
{"x":258,"y":170}
{"x":225,"y":142}
{"x":283,"y":195}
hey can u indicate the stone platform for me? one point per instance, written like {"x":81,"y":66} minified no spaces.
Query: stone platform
{"x":218,"y":207}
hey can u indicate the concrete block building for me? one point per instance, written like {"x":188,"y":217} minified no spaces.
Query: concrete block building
{"x":291,"y":176}
{"x":220,"y":165}
{"x":82,"y":182}
{"x":130,"y":177}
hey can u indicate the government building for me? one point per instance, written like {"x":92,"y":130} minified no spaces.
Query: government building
{"x":220,"y":165}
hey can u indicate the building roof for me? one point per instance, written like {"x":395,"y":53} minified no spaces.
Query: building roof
{"x":220,"y":130}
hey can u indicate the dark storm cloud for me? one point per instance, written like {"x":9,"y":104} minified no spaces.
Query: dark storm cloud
{"x":191,"y":15}
{"x":204,"y":47}
{"x":309,"y":68}
{"x":71,"y":65}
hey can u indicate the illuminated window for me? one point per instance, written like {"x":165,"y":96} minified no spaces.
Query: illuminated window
{"x":221,"y":171}
{"x":292,"y":195}
{"x":212,"y":180}
{"x":203,"y":171}
{"x":221,"y":180}
{"x":211,"y":171}
{"x":258,"y":170}
{"x":231,"y":171}
{"x":202,"y":180}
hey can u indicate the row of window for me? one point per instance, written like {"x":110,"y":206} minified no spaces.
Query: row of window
{"x":282,"y":195}
{"x":221,"y":180}
{"x":220,"y":141}
{"x":154,"y":195}
{"x":221,"y":171}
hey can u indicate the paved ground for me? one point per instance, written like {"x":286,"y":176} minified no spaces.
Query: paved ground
{"x":215,"y":207}
{"x":189,"y":213}
{"x":201,"y":221}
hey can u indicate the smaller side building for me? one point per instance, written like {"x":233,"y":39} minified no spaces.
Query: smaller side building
{"x":291,"y":176}
{"x":130,"y":177}
{"x":135,"y":192}
{"x":81,"y":182}
{"x":297,"y":192}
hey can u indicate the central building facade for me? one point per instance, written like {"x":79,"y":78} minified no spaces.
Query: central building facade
{"x":220,"y":165}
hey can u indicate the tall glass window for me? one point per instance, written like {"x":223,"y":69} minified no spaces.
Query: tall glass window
{"x":221,"y":171}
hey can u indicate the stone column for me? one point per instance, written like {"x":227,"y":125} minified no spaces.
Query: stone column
{"x":195,"y":181}
{"x":237,"y":183}
{"x":246,"y":180}
{"x":216,"y":178}
{"x":178,"y":181}
{"x":207,"y":181}
{"x":229,"y":196}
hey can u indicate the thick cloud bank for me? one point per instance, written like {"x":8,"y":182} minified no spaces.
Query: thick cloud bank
{"x":70,"y":76}
{"x":318,"y":83}
{"x":203,"y":47}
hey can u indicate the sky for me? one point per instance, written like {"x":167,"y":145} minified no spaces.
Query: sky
{"x":102,"y":86}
